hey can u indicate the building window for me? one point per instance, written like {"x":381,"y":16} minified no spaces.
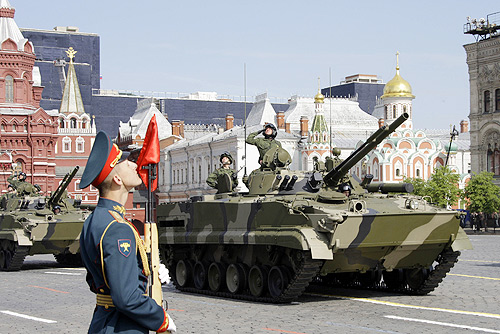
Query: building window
{"x":66,"y":145}
{"x":84,"y":124}
{"x":73,"y":123}
{"x":61,"y":123}
{"x":199,"y":173}
{"x":393,"y":111}
{"x":486,"y":101}
{"x":25,"y":128}
{"x":14,"y":127}
{"x":80,"y":145}
{"x":497,"y":99}
{"x":398,"y":172}
{"x":404,"y":108}
{"x":417,"y":173}
{"x":2,"y":127}
{"x":9,"y":89}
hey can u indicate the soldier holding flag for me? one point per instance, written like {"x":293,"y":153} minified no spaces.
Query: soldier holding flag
{"x":112,"y":250}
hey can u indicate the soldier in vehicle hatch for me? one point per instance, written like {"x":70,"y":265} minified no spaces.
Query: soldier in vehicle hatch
{"x":264,"y":144}
{"x":226,"y":159}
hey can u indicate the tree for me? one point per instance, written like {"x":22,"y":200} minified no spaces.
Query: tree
{"x":483,"y":194}
{"x":442,"y":187}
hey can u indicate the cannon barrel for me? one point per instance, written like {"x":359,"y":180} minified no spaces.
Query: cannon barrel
{"x":56,"y":196}
{"x":390,"y":187}
{"x":335,"y":175}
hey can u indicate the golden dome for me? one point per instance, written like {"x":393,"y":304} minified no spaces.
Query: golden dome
{"x":397,"y":87}
{"x":319,"y":98}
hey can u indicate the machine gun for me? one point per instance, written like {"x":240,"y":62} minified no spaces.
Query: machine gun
{"x":333,"y":178}
{"x":57,"y":195}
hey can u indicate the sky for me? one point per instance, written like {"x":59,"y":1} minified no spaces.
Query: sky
{"x":190,"y":46}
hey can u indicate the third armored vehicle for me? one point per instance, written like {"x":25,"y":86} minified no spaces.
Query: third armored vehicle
{"x":296,"y":227}
{"x":32,"y":224}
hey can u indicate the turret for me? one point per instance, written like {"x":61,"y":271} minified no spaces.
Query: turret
{"x":58,"y":194}
{"x":333,"y":178}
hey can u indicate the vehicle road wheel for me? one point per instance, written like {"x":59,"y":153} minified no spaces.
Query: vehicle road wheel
{"x":2,"y":259}
{"x":235,"y":278}
{"x":416,"y":277}
{"x":216,"y":276}
{"x":277,"y":281}
{"x":257,"y":278}
{"x":394,"y":280}
{"x":183,"y":271}
{"x":200,"y":275}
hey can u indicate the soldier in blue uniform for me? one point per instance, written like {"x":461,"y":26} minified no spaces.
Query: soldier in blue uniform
{"x":112,"y":250}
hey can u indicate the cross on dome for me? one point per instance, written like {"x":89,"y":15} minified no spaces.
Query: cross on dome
{"x":71,"y":53}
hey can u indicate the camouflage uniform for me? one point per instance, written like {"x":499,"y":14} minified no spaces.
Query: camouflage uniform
{"x":263,"y":144}
{"x":213,"y":177}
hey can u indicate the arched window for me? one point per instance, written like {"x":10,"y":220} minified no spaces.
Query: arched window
{"x":73,"y":123}
{"x":497,"y":99}
{"x":25,"y":128}
{"x":84,"y":123}
{"x":14,"y":127}
{"x":393,"y":111}
{"x":398,"y":172}
{"x":386,"y":112}
{"x":486,"y":101}
{"x":66,"y":145}
{"x":80,"y":145}
{"x":404,"y":108}
{"x":199,"y":173}
{"x":61,"y":123}
{"x":9,"y":89}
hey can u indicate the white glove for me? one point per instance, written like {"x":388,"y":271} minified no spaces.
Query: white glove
{"x":172,"y":328}
{"x":163,"y":274}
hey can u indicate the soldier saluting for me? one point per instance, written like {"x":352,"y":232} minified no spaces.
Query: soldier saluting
{"x":112,"y":250}
{"x":226,"y":159}
{"x":266,"y":143}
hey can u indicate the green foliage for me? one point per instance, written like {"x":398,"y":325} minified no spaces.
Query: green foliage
{"x":483,"y":195}
{"x":442,"y":187}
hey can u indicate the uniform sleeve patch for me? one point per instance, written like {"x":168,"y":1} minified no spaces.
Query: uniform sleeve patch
{"x":124,"y":246}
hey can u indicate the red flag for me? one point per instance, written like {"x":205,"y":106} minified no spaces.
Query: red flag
{"x":150,"y":153}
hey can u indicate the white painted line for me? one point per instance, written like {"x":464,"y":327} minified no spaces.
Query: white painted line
{"x":74,"y":269}
{"x":29,"y":317}
{"x":61,"y":273}
{"x":416,"y":307}
{"x":447,"y":324}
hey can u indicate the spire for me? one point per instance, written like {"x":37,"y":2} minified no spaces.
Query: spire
{"x":319,"y":98}
{"x":72,"y":98}
{"x":397,"y":61}
{"x":8,"y":27}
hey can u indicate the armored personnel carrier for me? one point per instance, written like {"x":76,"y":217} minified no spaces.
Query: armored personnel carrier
{"x":296,"y":227}
{"x":32,"y":225}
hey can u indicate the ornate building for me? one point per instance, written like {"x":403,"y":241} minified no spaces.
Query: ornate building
{"x":76,"y":135}
{"x":408,"y":152}
{"x":483,"y":59}
{"x":28,"y":134}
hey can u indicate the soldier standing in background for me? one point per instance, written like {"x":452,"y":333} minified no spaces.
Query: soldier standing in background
{"x":226,"y":159}
{"x":266,"y":143}
{"x":113,"y":252}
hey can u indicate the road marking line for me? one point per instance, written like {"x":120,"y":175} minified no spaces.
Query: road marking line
{"x":29,"y":317}
{"x":41,"y":287}
{"x":381,"y":302}
{"x":443,"y":324}
{"x":281,"y":331}
{"x":61,"y":273}
{"x":492,"y":278}
{"x":479,"y":261}
{"x":74,"y":268}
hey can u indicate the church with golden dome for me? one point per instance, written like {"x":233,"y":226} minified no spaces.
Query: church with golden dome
{"x":408,"y":152}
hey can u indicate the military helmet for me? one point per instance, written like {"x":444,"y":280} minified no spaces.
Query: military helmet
{"x":11,"y":186}
{"x":275,"y":131}
{"x":228,"y":155}
{"x":22,"y":174}
{"x":336,"y":151}
{"x":345,"y":187}
{"x":37,"y":187}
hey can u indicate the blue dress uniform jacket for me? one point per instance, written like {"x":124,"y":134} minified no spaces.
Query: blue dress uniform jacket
{"x":117,"y":271}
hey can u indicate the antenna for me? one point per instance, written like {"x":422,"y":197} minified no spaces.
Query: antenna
{"x":331,"y":134}
{"x":453,"y":134}
{"x":245,"y":104}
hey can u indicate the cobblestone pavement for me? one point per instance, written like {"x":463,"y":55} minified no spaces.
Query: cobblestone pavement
{"x":468,"y":300}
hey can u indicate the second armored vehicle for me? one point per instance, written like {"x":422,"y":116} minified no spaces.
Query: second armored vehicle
{"x":31,"y":224}
{"x":296,"y":227}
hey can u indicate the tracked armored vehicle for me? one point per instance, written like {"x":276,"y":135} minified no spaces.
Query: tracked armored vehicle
{"x":294,"y":228}
{"x":32,"y":225}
